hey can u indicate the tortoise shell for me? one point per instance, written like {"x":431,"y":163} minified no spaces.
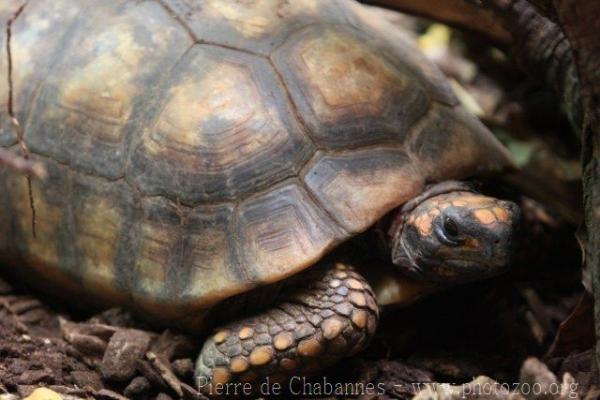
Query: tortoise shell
{"x":200,"y":148}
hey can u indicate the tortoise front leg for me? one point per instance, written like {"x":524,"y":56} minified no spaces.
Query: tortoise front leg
{"x":329,"y":314}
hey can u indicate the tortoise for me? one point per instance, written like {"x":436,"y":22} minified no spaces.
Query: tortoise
{"x":200,"y":149}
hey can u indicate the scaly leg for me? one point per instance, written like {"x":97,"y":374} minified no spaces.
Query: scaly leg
{"x":329,"y":314}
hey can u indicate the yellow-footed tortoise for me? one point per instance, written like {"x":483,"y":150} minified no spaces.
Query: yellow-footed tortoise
{"x":198,"y":149}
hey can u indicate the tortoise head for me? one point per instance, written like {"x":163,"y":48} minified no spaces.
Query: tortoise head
{"x":452,"y":234}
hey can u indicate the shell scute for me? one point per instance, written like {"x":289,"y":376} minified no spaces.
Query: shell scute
{"x":349,"y":94}
{"x":452,"y":144}
{"x":393,"y":40}
{"x":90,"y":104}
{"x":257,"y":26}
{"x":282,"y":232}
{"x":36,"y":37}
{"x":360,"y":186}
{"x":224,"y":131}
{"x":102,"y":212}
{"x":177,"y":258}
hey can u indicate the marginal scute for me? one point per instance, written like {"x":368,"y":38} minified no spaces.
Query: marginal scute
{"x":95,"y":95}
{"x":358,"y":187}
{"x":208,"y":252}
{"x":158,"y":259}
{"x":49,"y":259}
{"x":348,"y":92}
{"x":101,"y":211}
{"x":282,"y":232}
{"x":183,"y":258}
{"x":224,"y":131}
{"x":453,"y":144}
{"x":394,"y":39}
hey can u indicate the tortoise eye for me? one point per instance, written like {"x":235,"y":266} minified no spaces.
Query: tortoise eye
{"x":450,"y":227}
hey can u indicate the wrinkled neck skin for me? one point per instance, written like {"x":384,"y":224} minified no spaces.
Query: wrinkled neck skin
{"x":451,"y":234}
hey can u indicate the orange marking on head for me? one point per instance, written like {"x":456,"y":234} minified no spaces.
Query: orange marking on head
{"x":459,"y":203}
{"x":475,"y":200}
{"x":433,"y":213}
{"x":501,"y":214}
{"x":424,"y":224}
{"x":485,"y":216}
{"x":444,"y":205}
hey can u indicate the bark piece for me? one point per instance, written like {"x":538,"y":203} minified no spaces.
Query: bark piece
{"x":183,"y":368}
{"x":109,"y":395}
{"x":34,"y":377}
{"x":85,"y":379}
{"x":165,"y":372}
{"x":137,"y":386}
{"x":169,"y":346}
{"x":124,"y":349}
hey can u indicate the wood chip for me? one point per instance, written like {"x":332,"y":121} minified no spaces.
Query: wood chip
{"x":166,"y":373}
